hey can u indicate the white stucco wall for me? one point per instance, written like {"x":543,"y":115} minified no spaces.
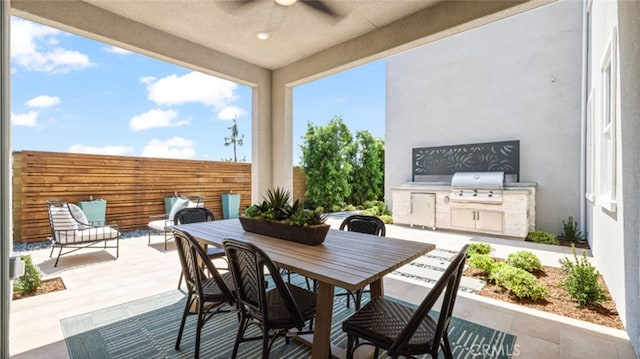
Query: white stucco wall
{"x":616,"y":234}
{"x":516,"y":79}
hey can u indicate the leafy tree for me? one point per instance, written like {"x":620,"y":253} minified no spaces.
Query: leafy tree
{"x":367,"y":161}
{"x":234,"y":140}
{"x":324,"y":155}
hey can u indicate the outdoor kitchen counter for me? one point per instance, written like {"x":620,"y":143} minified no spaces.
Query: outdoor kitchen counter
{"x":514,"y":217}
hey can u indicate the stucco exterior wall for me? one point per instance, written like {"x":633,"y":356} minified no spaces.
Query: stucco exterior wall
{"x":616,"y":234}
{"x":516,"y":79}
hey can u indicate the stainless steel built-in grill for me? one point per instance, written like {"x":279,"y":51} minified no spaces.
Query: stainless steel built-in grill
{"x":477,"y":187}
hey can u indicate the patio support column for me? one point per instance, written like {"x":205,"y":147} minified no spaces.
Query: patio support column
{"x":5,"y":180}
{"x":262,"y":167}
{"x":282,"y":137}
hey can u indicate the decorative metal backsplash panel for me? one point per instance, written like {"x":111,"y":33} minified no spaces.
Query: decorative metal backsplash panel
{"x":477,"y":157}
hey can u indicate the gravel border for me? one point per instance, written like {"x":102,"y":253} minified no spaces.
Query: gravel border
{"x":33,"y":246}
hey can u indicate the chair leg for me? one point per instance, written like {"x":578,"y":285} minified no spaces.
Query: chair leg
{"x":58,"y":258}
{"x":358,"y":299}
{"x":241,"y":329}
{"x":180,"y":280}
{"x":446,"y":346}
{"x":265,"y":343}
{"x":199,"y":326}
{"x":184,"y":319}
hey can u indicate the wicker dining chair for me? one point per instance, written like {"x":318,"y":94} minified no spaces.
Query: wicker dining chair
{"x":196,"y":215}
{"x":405,"y":331}
{"x":207,"y":289}
{"x":361,"y":224}
{"x":275,"y":310}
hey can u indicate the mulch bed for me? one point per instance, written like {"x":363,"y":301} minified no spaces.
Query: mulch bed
{"x":46,"y":286}
{"x":559,"y":300}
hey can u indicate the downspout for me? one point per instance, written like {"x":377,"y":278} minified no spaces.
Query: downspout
{"x":583,"y":118}
{"x":5,"y":180}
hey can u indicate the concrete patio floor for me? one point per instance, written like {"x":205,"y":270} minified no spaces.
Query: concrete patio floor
{"x":95,"y":280}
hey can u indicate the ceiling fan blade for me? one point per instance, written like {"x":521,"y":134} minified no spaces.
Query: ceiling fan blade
{"x":322,"y":7}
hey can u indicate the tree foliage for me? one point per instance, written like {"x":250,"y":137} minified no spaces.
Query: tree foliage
{"x":340,"y":168}
{"x":236,"y":139}
{"x":367,"y":163}
{"x":323,"y":161}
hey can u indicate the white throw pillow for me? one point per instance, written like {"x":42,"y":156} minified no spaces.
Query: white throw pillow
{"x":78,"y":214}
{"x":62,"y":220}
{"x":178,"y":205}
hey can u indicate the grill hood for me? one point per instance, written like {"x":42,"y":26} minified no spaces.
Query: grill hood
{"x":478,"y":180}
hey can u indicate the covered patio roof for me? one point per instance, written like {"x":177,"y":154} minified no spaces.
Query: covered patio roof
{"x":219,"y":38}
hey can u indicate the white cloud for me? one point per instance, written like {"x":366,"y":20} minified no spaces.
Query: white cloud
{"x":175,"y":147}
{"x":106,"y":150}
{"x":156,"y":118}
{"x":147,"y":79}
{"x":34,"y":47}
{"x":117,"y":50}
{"x":193,"y":87}
{"x":43,"y":101}
{"x":29,"y":119}
{"x":231,"y":112}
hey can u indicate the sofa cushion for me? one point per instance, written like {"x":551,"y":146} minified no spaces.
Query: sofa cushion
{"x":162,"y":225}
{"x":86,"y":235}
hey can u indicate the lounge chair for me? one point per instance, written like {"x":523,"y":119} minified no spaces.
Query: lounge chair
{"x":164,"y":223}
{"x":71,"y":229}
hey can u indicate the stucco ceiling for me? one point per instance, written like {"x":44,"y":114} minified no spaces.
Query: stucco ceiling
{"x":295,"y":31}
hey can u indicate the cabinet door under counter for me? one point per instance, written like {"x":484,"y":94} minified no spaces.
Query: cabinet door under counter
{"x":423,"y":210}
{"x":477,"y":220}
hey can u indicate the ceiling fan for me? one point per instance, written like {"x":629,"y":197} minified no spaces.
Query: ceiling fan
{"x":317,"y":5}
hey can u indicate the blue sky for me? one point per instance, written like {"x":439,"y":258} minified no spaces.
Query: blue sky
{"x":72,"y":94}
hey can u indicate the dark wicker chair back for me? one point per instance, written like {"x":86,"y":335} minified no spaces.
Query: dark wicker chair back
{"x":364,"y":224}
{"x":275,"y":310}
{"x":361,"y":224}
{"x":380,"y":322}
{"x":193,"y":215}
{"x":206,"y":286}
{"x":449,"y":283}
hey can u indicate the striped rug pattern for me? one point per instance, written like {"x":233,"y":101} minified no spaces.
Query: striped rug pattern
{"x":147,"y":328}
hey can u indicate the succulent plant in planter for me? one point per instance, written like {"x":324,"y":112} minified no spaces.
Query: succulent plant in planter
{"x":275,"y":217}
{"x":276,"y":207}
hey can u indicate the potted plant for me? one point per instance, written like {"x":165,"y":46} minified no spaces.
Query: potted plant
{"x":276,"y":217}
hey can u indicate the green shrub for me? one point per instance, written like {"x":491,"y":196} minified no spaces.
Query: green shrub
{"x":582,"y":280}
{"x":30,"y":280}
{"x":520,"y":282}
{"x":542,"y":237}
{"x":373,"y":211}
{"x":350,"y":208}
{"x":387,"y":219}
{"x":483,"y":262}
{"x":479,"y":248}
{"x":570,"y":231}
{"x":336,"y":208}
{"x":524,"y":260}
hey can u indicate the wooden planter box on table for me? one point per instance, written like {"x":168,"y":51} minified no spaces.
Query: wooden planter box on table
{"x":311,"y":235}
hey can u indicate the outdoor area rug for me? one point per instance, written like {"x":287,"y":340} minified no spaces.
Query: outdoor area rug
{"x":147,"y":328}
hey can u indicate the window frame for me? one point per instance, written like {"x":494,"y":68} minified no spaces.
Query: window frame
{"x":607,"y":168}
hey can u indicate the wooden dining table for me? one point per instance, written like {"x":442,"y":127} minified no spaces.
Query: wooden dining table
{"x":347,"y":260}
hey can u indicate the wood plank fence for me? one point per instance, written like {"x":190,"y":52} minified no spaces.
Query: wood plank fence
{"x":134,"y":187}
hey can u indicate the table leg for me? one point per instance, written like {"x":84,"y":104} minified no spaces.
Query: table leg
{"x":322,"y":332}
{"x":377,"y":288}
